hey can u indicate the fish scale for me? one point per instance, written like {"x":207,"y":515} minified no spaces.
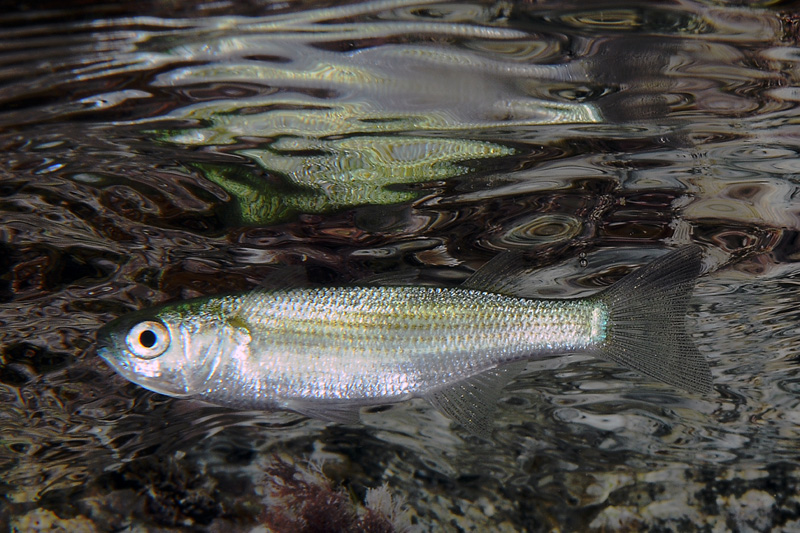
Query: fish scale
{"x":473,"y":322}
{"x":323,"y":344}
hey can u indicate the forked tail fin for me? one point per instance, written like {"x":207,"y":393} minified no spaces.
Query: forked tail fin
{"x":647,"y":316}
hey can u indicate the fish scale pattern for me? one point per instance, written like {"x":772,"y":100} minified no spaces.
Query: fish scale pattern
{"x":363,"y":342}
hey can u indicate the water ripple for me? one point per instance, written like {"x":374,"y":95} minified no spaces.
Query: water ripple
{"x":162,"y":151}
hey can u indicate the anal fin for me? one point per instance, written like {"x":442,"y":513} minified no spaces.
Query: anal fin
{"x":471,"y":402}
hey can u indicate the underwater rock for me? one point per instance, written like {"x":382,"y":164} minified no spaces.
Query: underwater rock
{"x":43,"y":520}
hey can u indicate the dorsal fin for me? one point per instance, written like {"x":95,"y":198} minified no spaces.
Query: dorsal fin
{"x":284,"y":277}
{"x":404,"y":277}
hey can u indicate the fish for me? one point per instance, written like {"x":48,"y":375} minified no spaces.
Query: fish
{"x":327,"y":352}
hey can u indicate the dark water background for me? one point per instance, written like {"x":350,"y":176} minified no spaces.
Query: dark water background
{"x":153,"y":151}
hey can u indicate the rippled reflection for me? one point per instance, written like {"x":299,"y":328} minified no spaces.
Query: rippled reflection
{"x":173,"y":149}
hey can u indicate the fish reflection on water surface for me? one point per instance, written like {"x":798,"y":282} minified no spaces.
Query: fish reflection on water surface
{"x":327,"y":352}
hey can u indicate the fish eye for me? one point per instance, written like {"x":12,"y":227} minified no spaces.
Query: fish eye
{"x":148,"y":339}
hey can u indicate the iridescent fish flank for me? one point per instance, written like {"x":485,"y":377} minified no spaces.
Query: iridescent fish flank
{"x":327,"y":352}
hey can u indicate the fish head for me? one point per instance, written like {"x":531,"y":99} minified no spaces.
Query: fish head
{"x":169,"y":350}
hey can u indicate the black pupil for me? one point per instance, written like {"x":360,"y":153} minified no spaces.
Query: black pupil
{"x":147,"y":338}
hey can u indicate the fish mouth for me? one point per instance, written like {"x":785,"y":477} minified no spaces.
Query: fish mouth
{"x":110,"y":344}
{"x":112,"y":356}
{"x":107,"y":347}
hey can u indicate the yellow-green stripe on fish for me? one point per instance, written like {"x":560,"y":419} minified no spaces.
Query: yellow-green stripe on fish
{"x":327,"y":352}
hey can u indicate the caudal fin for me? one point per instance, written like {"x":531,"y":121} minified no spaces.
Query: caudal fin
{"x":647,"y":315}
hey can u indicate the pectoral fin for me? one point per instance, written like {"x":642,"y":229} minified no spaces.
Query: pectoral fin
{"x":472,"y":401}
{"x":344,"y":413}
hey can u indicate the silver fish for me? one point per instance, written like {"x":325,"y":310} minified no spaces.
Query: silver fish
{"x":327,"y":352}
